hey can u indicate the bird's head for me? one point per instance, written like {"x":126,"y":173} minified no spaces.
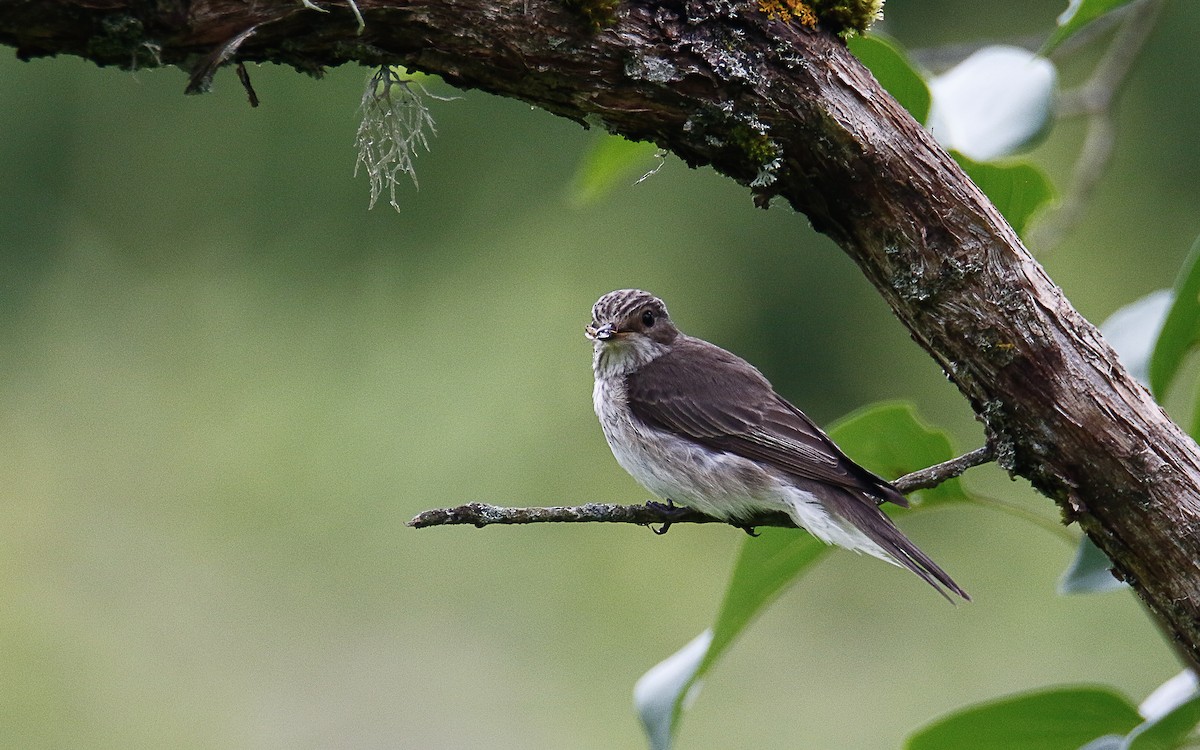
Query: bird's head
{"x":629,"y":328}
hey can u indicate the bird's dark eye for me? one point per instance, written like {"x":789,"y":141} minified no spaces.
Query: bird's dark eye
{"x":648,"y":318}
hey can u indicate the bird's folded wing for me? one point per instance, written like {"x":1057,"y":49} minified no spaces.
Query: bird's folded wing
{"x":731,"y":407}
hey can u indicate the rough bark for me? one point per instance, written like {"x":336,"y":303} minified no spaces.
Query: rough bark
{"x":789,"y":109}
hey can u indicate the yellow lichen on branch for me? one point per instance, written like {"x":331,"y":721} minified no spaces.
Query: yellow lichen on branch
{"x":842,"y":16}
{"x":786,"y":10}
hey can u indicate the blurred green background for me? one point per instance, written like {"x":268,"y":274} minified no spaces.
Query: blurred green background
{"x":226,"y":386}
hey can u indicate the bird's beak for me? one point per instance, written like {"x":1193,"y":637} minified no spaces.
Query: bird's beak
{"x":600,"y":333}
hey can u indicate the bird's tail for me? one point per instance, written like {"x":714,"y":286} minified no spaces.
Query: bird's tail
{"x":867,"y":518}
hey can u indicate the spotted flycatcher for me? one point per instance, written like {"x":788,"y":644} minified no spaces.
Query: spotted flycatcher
{"x":701,"y":427}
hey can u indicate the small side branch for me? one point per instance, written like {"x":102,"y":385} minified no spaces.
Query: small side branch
{"x":202,"y":74}
{"x":482,"y":514}
{"x":923,"y":479}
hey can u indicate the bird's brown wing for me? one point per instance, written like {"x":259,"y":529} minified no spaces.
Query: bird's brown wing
{"x":706,"y":394}
{"x":703,"y":393}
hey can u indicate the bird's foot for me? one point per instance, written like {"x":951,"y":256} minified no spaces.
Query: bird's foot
{"x":748,"y":529}
{"x":667,"y":509}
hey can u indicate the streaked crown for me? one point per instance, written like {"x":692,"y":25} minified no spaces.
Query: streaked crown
{"x":617,"y":306}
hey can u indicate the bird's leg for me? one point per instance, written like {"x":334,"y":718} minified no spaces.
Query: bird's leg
{"x":667,"y":509}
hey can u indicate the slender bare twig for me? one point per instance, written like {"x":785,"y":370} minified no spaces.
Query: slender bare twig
{"x":202,"y":74}
{"x":1094,"y":99}
{"x":923,"y":479}
{"x":939,"y":59}
{"x":482,"y":514}
{"x":244,"y":76}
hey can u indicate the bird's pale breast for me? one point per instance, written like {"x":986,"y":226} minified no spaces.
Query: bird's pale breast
{"x":720,"y":484}
{"x":717,"y":483}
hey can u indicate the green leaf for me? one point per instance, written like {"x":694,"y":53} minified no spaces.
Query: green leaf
{"x":610,"y":161}
{"x":1181,"y":330}
{"x":1090,"y":572}
{"x":1057,"y":719}
{"x":1169,"y":731}
{"x":994,"y":103}
{"x":887,"y":438}
{"x":1018,"y":189}
{"x":1079,"y":13}
{"x":890,"y":439}
{"x":660,"y":692}
{"x":892,"y":68}
{"x":1133,"y":329}
{"x":766,"y":565}
{"x":1194,"y":430}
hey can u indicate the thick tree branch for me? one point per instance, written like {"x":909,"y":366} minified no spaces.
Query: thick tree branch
{"x":789,"y":110}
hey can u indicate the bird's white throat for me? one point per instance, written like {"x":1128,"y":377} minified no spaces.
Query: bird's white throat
{"x":619,"y":357}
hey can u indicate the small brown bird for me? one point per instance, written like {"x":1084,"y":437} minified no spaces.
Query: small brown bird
{"x":701,"y":427}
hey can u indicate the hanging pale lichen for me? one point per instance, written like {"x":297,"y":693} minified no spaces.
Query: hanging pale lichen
{"x":395,"y":122}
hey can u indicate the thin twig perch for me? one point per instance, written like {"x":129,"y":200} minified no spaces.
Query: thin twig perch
{"x":482,"y":514}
